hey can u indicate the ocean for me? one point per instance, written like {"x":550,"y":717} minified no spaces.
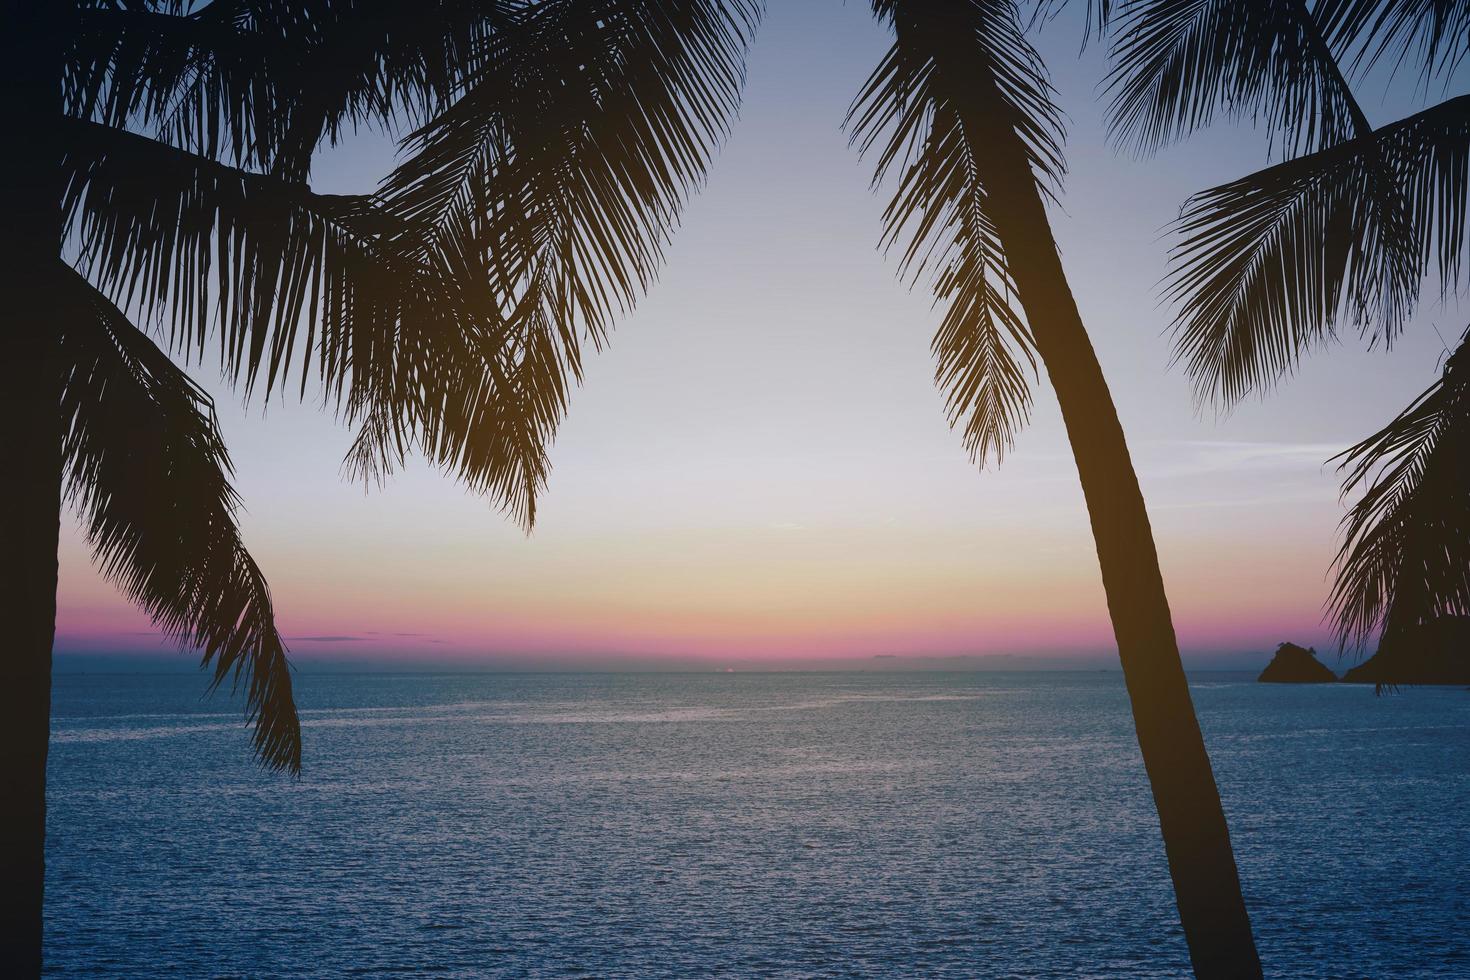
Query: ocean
{"x":700,"y":825}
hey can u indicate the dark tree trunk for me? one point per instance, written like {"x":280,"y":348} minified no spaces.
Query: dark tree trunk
{"x":29,"y":527}
{"x":31,"y":440}
{"x":1196,"y":838}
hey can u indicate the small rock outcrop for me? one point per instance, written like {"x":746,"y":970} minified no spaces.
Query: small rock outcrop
{"x":1436,"y":652}
{"x":1293,"y":665}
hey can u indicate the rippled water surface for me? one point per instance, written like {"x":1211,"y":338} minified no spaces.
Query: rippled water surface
{"x":739,"y":825}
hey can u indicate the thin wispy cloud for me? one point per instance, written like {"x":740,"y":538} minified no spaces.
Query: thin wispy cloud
{"x":1195,"y":457}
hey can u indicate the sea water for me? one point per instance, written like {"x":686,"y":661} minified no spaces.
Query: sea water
{"x":781,"y":824}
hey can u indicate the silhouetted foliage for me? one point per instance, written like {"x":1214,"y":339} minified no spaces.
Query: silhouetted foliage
{"x":912,"y":113}
{"x":959,"y":113}
{"x":138,"y":432}
{"x":549,"y":148}
{"x":1403,"y":557}
{"x":1341,"y":234}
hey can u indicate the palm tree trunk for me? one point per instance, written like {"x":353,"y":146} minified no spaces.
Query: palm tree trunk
{"x":31,"y":437}
{"x":1196,"y":838}
{"x":29,"y":527}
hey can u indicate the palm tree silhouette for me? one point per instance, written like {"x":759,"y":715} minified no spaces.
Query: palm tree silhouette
{"x":163,"y":177}
{"x":1341,"y":234}
{"x":961,"y":108}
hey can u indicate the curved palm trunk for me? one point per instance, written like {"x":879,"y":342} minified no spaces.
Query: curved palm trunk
{"x":29,"y":528}
{"x":31,"y":439}
{"x":1196,"y":838}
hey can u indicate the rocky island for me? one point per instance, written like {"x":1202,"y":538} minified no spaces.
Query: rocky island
{"x":1295,"y":665}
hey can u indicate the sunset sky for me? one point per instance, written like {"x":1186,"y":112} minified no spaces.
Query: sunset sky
{"x":759,"y":469}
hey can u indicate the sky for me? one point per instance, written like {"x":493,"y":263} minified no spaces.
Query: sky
{"x":757,"y":471}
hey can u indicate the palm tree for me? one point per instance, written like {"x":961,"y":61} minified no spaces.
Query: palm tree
{"x":163,"y":178}
{"x":1342,"y":233}
{"x":960,"y":107}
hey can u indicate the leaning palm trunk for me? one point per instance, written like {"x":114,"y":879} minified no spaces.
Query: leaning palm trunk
{"x":1196,"y":838}
{"x":30,"y":384}
{"x":962,"y":108}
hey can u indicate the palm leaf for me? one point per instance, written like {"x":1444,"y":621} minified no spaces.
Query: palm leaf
{"x":470,"y":404}
{"x":410,"y":346}
{"x":570,"y":155}
{"x":1405,"y":556}
{"x":1097,"y":16}
{"x":412,"y":353}
{"x":247,"y":260}
{"x":558,"y":177}
{"x":208,"y":80}
{"x":1434,"y":33}
{"x":1177,"y":63}
{"x":918,"y":112}
{"x":146,"y":467}
{"x":1273,"y":264}
{"x":261,"y":84}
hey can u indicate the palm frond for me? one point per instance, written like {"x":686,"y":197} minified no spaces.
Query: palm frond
{"x":1273,"y":264}
{"x":207,"y":80}
{"x":1433,"y":33}
{"x":1097,"y":16}
{"x":573,"y":149}
{"x":146,"y":467}
{"x":471,"y":405}
{"x":1405,"y":556}
{"x":246,"y":260}
{"x":558,"y":176}
{"x":410,"y":345}
{"x":949,"y":66}
{"x":261,"y":84}
{"x":249,"y":262}
{"x":1178,"y":63}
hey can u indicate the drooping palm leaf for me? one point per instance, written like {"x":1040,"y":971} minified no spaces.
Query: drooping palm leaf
{"x":240,"y":258}
{"x":559,"y":175}
{"x":1433,"y":33}
{"x":464,"y":402}
{"x":1097,"y":15}
{"x":147,"y":469}
{"x":250,"y":261}
{"x":919,"y":110}
{"x":1405,"y":556}
{"x":260,"y":84}
{"x":1179,"y":63}
{"x":401,"y":316}
{"x":1272,"y":264}
{"x":571,"y":153}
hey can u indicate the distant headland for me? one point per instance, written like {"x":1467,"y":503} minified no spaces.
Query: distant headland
{"x":1436,"y":652}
